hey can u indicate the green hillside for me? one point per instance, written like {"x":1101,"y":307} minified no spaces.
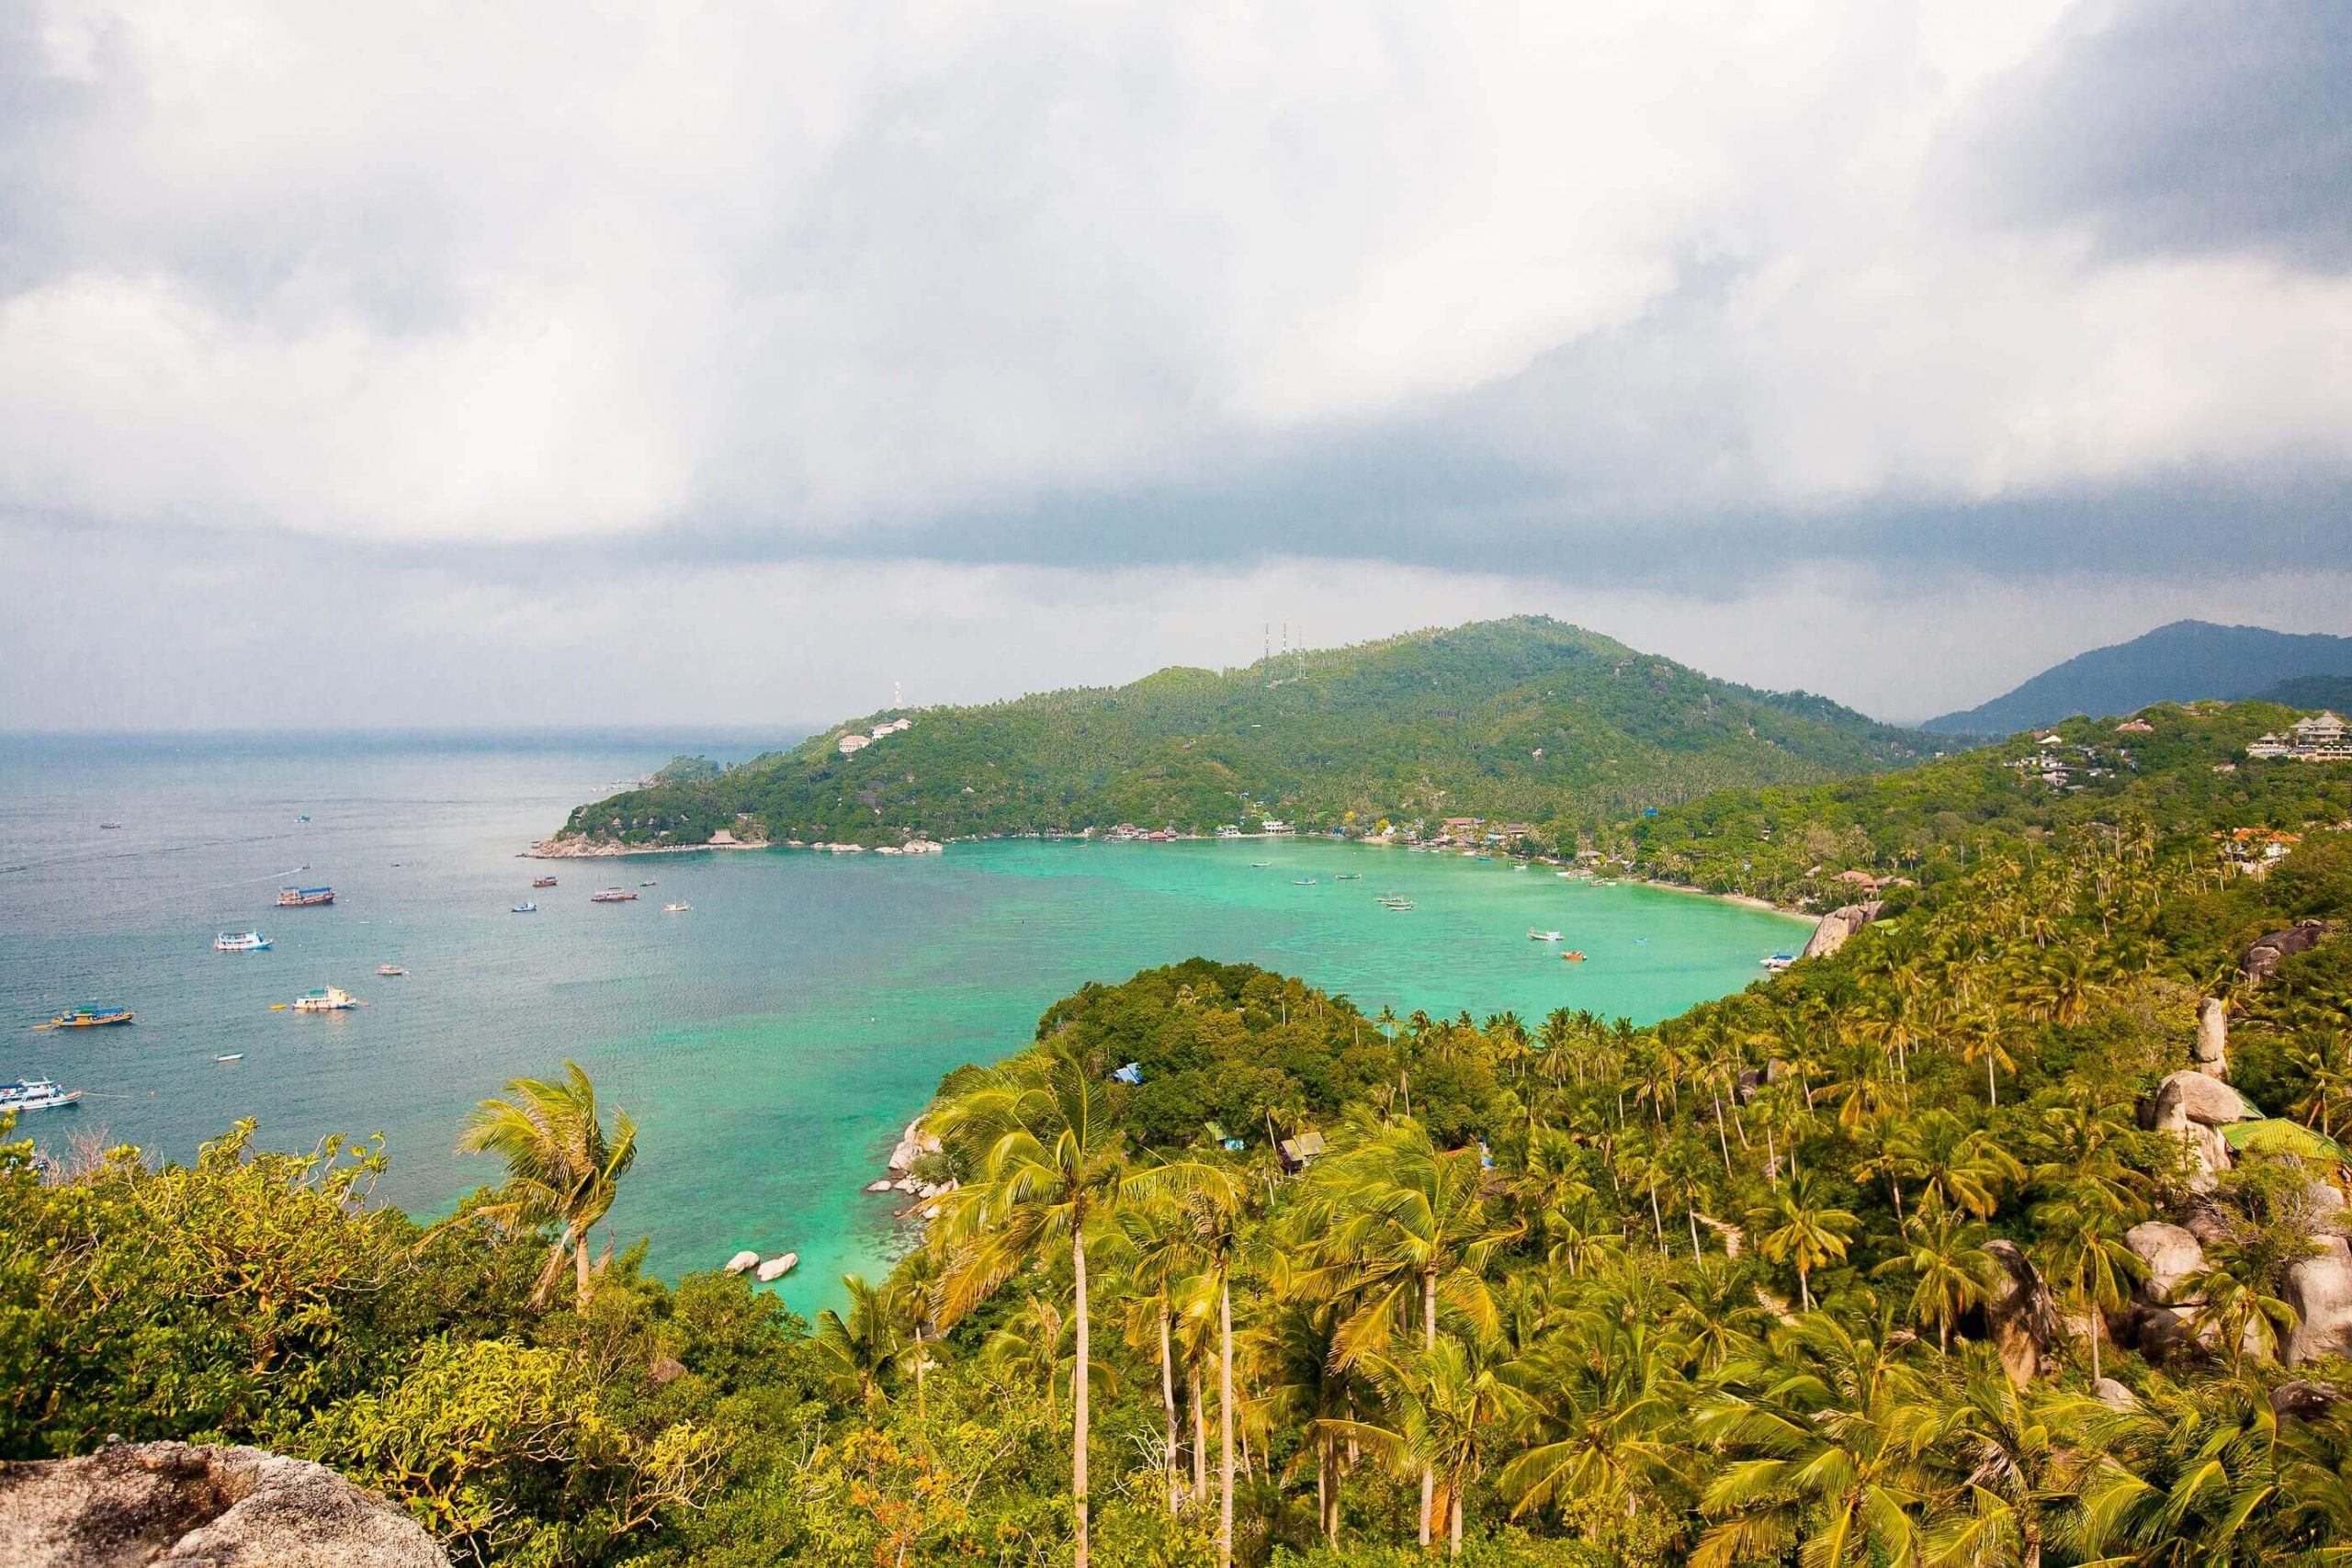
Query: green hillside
{"x":1524,"y":719}
{"x":2185,"y":661}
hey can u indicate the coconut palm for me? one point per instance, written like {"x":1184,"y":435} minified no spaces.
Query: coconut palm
{"x":563,"y":1167}
{"x":2086,"y":1257}
{"x":1946,"y":1262}
{"x":1453,"y":1400}
{"x":859,"y":1351}
{"x":1800,"y":1226}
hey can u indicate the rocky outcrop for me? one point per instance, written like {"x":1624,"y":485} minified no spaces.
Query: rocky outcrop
{"x":775,"y":1268}
{"x":2210,"y":1054}
{"x":2320,"y":1289}
{"x":1838,"y":925}
{"x":743,"y":1260}
{"x":2114,"y":1395}
{"x":2194,"y":1107}
{"x":2173,"y":1258}
{"x":913,"y":1144}
{"x":2021,"y":1312}
{"x":130,"y":1505}
{"x":2263,"y":958}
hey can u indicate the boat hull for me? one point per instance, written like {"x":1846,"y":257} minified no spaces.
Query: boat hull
{"x":91,"y":1019}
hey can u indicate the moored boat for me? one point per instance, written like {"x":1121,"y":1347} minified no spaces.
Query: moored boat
{"x":675,"y":908}
{"x":326,"y":998}
{"x":240,"y":941}
{"x":232,"y":1056}
{"x":1302,"y":882}
{"x":525,"y":908}
{"x":543,"y":882}
{"x":1572,"y":956}
{"x":1778,"y":962}
{"x":388,"y":970}
{"x":95,"y":1016}
{"x":36,"y":1094}
{"x":304,"y":898}
{"x":613,"y":895}
{"x":1542,"y":936}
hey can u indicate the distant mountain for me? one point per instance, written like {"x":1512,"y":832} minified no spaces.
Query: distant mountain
{"x":2331,"y":691}
{"x":2185,"y":661}
{"x":1523,"y":720}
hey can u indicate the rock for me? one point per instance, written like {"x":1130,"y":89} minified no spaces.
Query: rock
{"x":880,"y":1184}
{"x":2158,"y":1333}
{"x":778,"y":1267}
{"x":130,"y":1505}
{"x":665,"y":1371}
{"x":2114,"y":1395}
{"x":2210,"y":1054}
{"x":2299,"y":1399}
{"x":913,"y":1146}
{"x":2172,"y":1257}
{"x":1747,"y":1085}
{"x":744,"y":1259}
{"x":2021,"y":1312}
{"x":2205,"y":1222}
{"x":2198,"y":1096}
{"x":2320,"y":1289}
{"x":2323,"y":1208}
{"x":2263,"y":958}
{"x":1838,"y":925}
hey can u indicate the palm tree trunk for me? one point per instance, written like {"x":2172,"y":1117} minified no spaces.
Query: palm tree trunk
{"x":1224,"y":1422}
{"x":580,"y":1266}
{"x":1428,"y":1342}
{"x":1077,"y":1392}
{"x":1454,"y":1546}
{"x":1168,"y":1399}
{"x":1200,"y":1441}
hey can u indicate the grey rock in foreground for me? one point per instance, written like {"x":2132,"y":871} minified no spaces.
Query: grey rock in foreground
{"x":130,"y":1505}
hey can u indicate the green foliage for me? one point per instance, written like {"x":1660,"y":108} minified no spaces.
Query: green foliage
{"x":1524,"y":720}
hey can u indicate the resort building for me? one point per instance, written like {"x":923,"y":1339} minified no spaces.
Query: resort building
{"x":2323,"y":737}
{"x":852,"y":744}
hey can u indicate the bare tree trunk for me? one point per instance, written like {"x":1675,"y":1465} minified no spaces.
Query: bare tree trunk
{"x":1225,"y":1421}
{"x":1200,"y":1442}
{"x":1167,"y":1398}
{"x":1077,"y":1393}
{"x":1428,"y":1342}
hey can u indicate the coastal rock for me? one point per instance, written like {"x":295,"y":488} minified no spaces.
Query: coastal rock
{"x":2172,"y":1257}
{"x":2210,"y":1054}
{"x":1838,"y":925}
{"x":2263,"y":958}
{"x":2320,"y":1289}
{"x":880,"y":1184}
{"x":2020,"y":1311}
{"x":744,"y":1259}
{"x":130,"y":1505}
{"x":775,"y":1268}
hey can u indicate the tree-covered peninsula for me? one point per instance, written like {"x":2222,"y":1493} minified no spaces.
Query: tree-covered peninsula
{"x":1525,"y":720}
{"x":2011,"y":1233}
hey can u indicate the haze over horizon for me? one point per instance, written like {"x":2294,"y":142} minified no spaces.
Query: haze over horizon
{"x":532,"y":366}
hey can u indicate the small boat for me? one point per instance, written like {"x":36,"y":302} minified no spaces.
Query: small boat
{"x":1572,"y":956}
{"x":543,"y":882}
{"x":675,"y":908}
{"x":613,"y":895}
{"x":1398,"y":904}
{"x":1348,"y":876}
{"x":1302,"y":882}
{"x":232,"y":1056}
{"x":36,"y":1094}
{"x":647,"y":883}
{"x":91,"y":1017}
{"x":303,"y":817}
{"x":388,"y":970}
{"x":109,"y":827}
{"x":525,"y":908}
{"x":304,"y":898}
{"x":240,"y":941}
{"x":1778,"y":962}
{"x":1542,"y":936}
{"x":326,"y":998}
{"x":1259,"y":865}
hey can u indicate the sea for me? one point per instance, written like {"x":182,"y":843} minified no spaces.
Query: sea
{"x":771,"y":1042}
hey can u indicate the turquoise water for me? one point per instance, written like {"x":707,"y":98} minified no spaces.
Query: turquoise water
{"x":771,"y":1042}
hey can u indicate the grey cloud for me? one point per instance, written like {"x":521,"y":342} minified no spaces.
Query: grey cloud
{"x":2181,"y":126}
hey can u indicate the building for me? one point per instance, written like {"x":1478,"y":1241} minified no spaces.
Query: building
{"x":2323,"y":737}
{"x":852,"y":744}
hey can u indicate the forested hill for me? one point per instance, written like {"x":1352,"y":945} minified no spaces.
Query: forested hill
{"x":1523,"y":720}
{"x":2185,"y":661}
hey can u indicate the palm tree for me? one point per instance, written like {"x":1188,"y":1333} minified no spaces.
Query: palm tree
{"x":2018,"y":1474}
{"x":1950,"y":1272}
{"x":1454,"y":1399}
{"x":2083,"y":1241}
{"x":1160,"y":1250}
{"x":1403,"y":1219}
{"x":1800,"y":1226}
{"x":860,"y":1351}
{"x":563,"y":1168}
{"x":1053,"y":1169}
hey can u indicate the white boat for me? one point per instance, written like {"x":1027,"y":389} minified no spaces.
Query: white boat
{"x":525,"y":908}
{"x":647,"y":883}
{"x":1542,"y":936}
{"x":390,"y":970}
{"x":613,"y":895}
{"x":675,"y":908}
{"x":1778,"y":962}
{"x":240,"y":941}
{"x":1302,"y":882}
{"x":326,"y":998}
{"x":36,"y":1094}
{"x":232,"y":1056}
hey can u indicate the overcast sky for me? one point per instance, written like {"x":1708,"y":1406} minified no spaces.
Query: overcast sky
{"x":705,"y":363}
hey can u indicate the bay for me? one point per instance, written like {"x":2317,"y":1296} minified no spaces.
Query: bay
{"x":770,"y":1043}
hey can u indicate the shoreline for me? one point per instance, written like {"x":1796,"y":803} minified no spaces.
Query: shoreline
{"x":1746,"y":900}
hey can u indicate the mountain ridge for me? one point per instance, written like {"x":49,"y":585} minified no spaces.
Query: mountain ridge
{"x":2182,"y":662}
{"x":1525,"y":719}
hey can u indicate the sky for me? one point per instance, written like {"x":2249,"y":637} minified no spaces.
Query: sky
{"x":556,"y":364}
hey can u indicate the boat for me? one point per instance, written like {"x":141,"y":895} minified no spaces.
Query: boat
{"x":647,"y":883}
{"x":675,"y":908}
{"x":613,"y":895}
{"x":543,"y":882}
{"x":1572,"y":956}
{"x":36,"y":1094}
{"x":1302,"y":882}
{"x":303,"y":817}
{"x":240,"y":941}
{"x":388,"y":970}
{"x":304,"y":898}
{"x":1778,"y":962}
{"x":1348,"y":876}
{"x":525,"y":908}
{"x":326,"y":998}
{"x":1259,"y":865}
{"x":109,"y":827}
{"x":232,"y":1056}
{"x":1542,"y":936}
{"x":91,"y":1017}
